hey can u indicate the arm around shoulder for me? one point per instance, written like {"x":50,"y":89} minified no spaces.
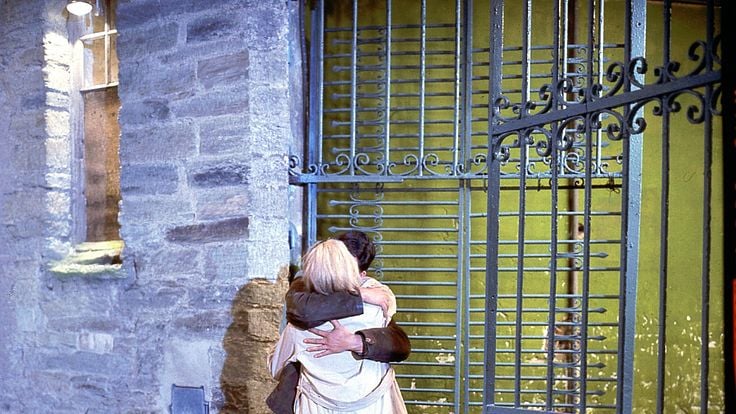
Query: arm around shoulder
{"x":307,"y":310}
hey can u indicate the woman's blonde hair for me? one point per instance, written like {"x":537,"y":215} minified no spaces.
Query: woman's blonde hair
{"x":329,"y":267}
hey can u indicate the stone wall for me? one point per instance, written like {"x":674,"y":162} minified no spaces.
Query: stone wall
{"x":206,"y":124}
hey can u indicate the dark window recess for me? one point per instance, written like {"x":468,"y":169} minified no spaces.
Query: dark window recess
{"x":102,"y":163}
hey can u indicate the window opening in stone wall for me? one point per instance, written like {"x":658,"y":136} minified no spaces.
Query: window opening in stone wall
{"x":101,"y":131}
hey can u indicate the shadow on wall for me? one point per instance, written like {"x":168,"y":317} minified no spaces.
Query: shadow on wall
{"x":256,"y":314}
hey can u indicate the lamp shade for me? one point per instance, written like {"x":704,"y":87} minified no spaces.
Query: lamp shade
{"x":79,"y":7}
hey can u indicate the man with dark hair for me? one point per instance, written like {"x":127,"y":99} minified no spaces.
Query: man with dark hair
{"x":307,"y":310}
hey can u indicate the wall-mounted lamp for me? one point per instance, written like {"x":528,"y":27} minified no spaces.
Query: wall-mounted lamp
{"x":79,"y":7}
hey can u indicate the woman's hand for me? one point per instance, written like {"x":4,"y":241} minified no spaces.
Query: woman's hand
{"x":335,"y":341}
{"x":380,"y":296}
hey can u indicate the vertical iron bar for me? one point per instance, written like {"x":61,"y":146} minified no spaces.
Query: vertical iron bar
{"x":523,"y":159}
{"x":526,"y":40}
{"x":585,"y":296}
{"x":353,"y":87}
{"x":707,"y":205}
{"x":462,"y":345}
{"x":422,"y":83}
{"x":600,"y":70}
{"x":457,"y":77}
{"x":664,"y":229}
{"x":555,"y":156}
{"x":492,"y":247}
{"x":387,"y":112}
{"x":467,"y":124}
{"x":520,"y":268}
{"x":583,"y":389}
{"x":316,"y":102}
{"x":464,"y":151}
{"x":462,"y":339}
{"x":634,"y":45}
{"x":572,"y":205}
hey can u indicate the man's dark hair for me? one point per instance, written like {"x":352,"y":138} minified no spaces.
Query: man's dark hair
{"x":359,"y":246}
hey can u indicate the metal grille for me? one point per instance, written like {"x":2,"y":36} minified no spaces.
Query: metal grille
{"x":514,"y":246}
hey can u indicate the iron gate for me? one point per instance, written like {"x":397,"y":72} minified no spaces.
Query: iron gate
{"x":516,"y":264}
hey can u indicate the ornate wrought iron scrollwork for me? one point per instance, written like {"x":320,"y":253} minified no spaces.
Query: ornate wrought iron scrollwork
{"x":572,"y":90}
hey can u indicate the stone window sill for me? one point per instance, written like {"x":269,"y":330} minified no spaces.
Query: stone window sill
{"x":95,"y":260}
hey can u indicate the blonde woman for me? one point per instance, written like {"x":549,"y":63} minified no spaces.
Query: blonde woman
{"x":337,"y":382}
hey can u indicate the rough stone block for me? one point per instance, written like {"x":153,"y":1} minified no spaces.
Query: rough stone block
{"x":34,"y":101}
{"x":58,"y":204}
{"x":173,"y":262}
{"x":57,"y":123}
{"x":58,"y":181}
{"x":271,"y":203}
{"x":268,"y":101}
{"x":106,"y":364}
{"x":96,"y":342}
{"x":213,"y":103}
{"x":223,"y":173}
{"x":257,"y":389}
{"x":221,"y":203}
{"x":159,"y":142}
{"x":57,"y":99}
{"x":262,"y":292}
{"x":148,"y":179}
{"x":134,"y":44}
{"x":223,"y":70}
{"x":269,"y":67}
{"x":131,"y":14}
{"x":226,"y":263}
{"x":212,"y":28}
{"x":211,"y":296}
{"x":224,"y":135}
{"x":263,"y":324}
{"x":57,"y":153}
{"x":154,"y":299}
{"x":146,"y":210}
{"x":208,"y":321}
{"x":272,"y":172}
{"x":222,"y":230}
{"x":268,"y":28}
{"x":152,"y":80}
{"x":267,"y":266}
{"x":145,"y":112}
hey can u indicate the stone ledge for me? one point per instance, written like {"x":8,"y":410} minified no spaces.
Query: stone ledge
{"x":94,"y":260}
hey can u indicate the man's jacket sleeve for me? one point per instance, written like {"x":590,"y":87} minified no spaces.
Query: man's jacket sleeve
{"x":307,"y":310}
{"x":389,"y":344}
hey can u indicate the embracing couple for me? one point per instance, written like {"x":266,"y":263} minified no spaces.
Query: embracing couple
{"x":333,"y":355}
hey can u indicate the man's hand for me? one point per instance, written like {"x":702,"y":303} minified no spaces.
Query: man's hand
{"x":335,"y":341}
{"x":380,"y":296}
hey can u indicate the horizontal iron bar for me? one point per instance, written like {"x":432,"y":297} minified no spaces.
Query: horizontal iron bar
{"x":427,"y":297}
{"x":542,"y":310}
{"x":544,"y":378}
{"x":427,"y":403}
{"x":599,"y":365}
{"x":421,"y":390}
{"x":419,"y":282}
{"x":525,"y":323}
{"x":430,"y":324}
{"x":559,"y":296}
{"x":432,"y":337}
{"x":426,"y":364}
{"x":427,"y":310}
